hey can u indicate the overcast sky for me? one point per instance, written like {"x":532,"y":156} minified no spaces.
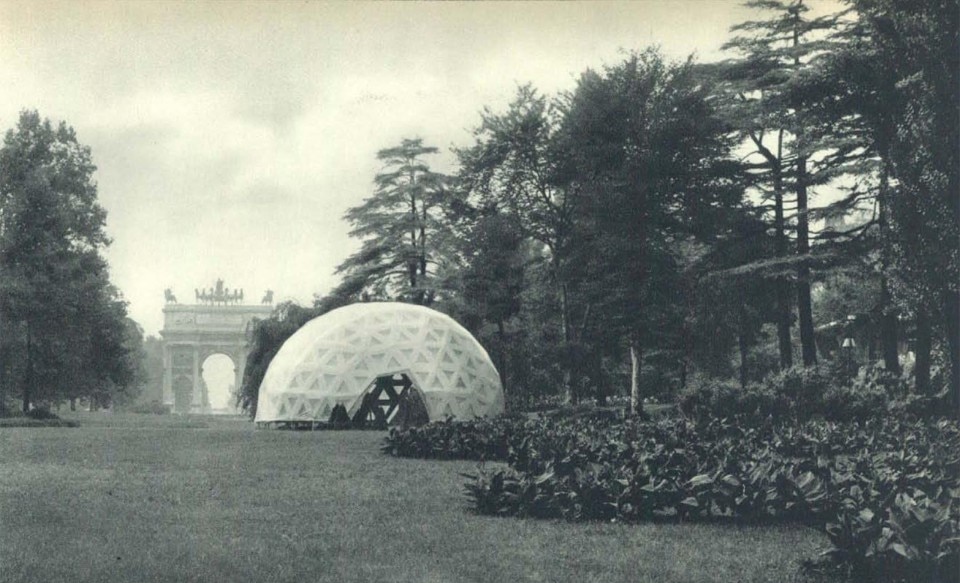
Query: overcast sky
{"x":230,"y":137}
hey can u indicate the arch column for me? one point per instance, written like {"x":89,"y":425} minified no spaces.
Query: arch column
{"x":166,"y":396}
{"x":196,"y":399}
{"x":240,"y":364}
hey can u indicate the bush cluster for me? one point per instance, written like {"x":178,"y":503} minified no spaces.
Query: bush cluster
{"x":150,"y":408}
{"x":804,"y":393}
{"x":886,"y":492}
{"x":481,"y":439}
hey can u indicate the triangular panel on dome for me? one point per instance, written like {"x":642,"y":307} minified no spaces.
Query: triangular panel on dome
{"x":314,"y":356}
{"x":394,"y":364}
{"x":324,"y":412}
{"x":328,"y":379}
{"x":361,"y":365}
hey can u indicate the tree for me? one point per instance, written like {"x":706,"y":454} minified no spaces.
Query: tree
{"x":917,"y":45}
{"x":653,"y":156}
{"x":730,"y":305}
{"x":517,"y":164}
{"x":490,"y":280}
{"x":400,"y":226}
{"x":779,"y":52}
{"x":52,"y":278}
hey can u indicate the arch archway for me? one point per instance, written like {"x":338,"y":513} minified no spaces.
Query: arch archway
{"x":220,"y":376}
{"x":194,"y":332}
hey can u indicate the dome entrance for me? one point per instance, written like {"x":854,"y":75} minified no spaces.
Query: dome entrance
{"x":381,"y":400}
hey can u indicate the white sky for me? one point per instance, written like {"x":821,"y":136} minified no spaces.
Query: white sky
{"x":230,"y":136}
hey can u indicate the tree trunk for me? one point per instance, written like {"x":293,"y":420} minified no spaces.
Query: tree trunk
{"x":888,"y":316}
{"x":426,"y":297}
{"x":888,"y":330}
{"x":743,"y":346}
{"x":502,"y":355}
{"x":3,"y":370}
{"x":687,"y":340}
{"x":596,"y":372}
{"x":951,"y":312}
{"x":782,"y":285}
{"x":28,"y":382}
{"x":412,"y":264}
{"x":568,"y":380}
{"x":636,"y":360}
{"x":921,"y":371}
{"x":73,"y":403}
{"x":808,"y":341}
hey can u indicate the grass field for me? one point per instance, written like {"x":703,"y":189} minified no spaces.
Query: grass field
{"x":142,"y":498}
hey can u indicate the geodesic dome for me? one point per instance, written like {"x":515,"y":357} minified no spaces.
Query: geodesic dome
{"x":335,"y":358}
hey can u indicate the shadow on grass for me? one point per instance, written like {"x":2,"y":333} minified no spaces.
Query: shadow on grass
{"x":28,"y":422}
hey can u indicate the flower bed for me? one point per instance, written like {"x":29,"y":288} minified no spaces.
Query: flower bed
{"x":886,"y":492}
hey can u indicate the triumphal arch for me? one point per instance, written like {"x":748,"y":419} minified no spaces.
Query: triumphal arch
{"x":216,"y":323}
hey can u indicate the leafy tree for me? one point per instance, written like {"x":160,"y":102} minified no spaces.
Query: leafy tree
{"x":730,"y":306}
{"x":56,"y":302}
{"x":889,"y":84}
{"x":490,"y":280}
{"x":152,"y":366}
{"x":400,"y":226}
{"x":917,"y":47}
{"x":517,"y":164}
{"x":653,"y":156}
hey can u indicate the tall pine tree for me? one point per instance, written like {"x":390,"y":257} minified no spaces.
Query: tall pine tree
{"x":401,"y":227}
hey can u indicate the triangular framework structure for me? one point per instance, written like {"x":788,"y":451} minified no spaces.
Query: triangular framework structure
{"x":381,"y":399}
{"x":334,"y":358}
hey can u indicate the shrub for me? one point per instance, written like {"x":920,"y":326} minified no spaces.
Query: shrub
{"x":704,"y":400}
{"x":481,"y":439}
{"x":886,"y":492}
{"x":41,"y":413}
{"x":859,"y":400}
{"x":804,"y":387}
{"x":800,"y":394}
{"x":151,"y":408}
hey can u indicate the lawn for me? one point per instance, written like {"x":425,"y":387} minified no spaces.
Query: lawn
{"x":143,"y":498}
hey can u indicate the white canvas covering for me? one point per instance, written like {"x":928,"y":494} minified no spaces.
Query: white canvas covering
{"x":335,"y":357}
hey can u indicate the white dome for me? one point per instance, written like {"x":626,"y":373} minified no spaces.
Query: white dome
{"x":336,"y":357}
